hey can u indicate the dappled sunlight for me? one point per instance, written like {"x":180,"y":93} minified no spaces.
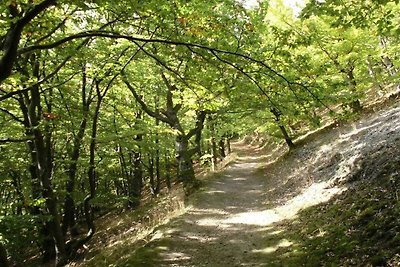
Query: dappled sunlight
{"x":174,"y":256}
{"x":284,"y":243}
{"x":355,"y":131}
{"x":211,"y":192}
{"x":315,"y":194}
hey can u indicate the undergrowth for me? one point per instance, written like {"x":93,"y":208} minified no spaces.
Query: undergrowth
{"x":360,"y":227}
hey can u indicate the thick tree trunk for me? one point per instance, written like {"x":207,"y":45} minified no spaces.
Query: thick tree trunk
{"x":47,"y":244}
{"x":184,"y":160}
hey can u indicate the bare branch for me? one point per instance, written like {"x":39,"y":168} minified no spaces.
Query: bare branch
{"x":12,"y":115}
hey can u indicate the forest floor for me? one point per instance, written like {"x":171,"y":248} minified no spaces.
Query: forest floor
{"x":332,"y":201}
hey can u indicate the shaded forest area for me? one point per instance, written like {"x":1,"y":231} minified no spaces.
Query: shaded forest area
{"x":104,"y":104}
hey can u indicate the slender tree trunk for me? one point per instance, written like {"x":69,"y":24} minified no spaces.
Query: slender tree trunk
{"x":221,"y":147}
{"x":151,"y":175}
{"x":135,"y":185}
{"x":69,"y":203}
{"x":214,"y":157}
{"x":92,"y":175}
{"x":157,"y":169}
{"x":282,"y":128}
{"x":157,"y":156}
{"x":228,"y":145}
{"x":167,"y":172}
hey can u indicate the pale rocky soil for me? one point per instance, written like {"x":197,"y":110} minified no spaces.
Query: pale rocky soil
{"x":233,"y":221}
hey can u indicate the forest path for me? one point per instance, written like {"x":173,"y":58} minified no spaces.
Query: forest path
{"x":242,"y":216}
{"x":225,"y":226}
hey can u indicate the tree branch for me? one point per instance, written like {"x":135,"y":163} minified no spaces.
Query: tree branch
{"x":12,"y":115}
{"x":144,"y":106}
{"x":114,"y":35}
{"x":14,"y":140}
{"x":13,"y":37}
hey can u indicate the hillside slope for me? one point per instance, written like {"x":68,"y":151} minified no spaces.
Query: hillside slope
{"x":333,"y":201}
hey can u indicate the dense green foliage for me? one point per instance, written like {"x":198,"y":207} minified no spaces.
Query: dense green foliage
{"x":103,"y":102}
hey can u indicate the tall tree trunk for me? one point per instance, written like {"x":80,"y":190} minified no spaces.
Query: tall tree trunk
{"x":135,"y":184}
{"x":157,"y":156}
{"x":69,"y":203}
{"x":92,"y":175}
{"x":47,"y":244}
{"x":44,"y":165}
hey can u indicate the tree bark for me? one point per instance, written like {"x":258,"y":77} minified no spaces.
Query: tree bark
{"x":282,"y":128}
{"x":184,"y":159}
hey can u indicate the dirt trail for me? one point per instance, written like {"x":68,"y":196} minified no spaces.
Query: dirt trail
{"x":221,"y":228}
{"x":234,"y":220}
